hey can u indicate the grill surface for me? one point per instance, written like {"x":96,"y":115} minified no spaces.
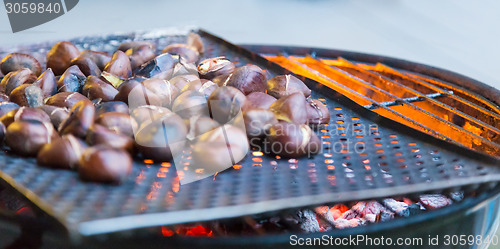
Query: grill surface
{"x":365,"y":156}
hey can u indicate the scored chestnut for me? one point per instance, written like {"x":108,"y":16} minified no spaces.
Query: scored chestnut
{"x":291,"y":108}
{"x":81,"y":117}
{"x":204,"y":86}
{"x":60,"y":55}
{"x":317,"y":113}
{"x":225,"y":103}
{"x":23,"y":114}
{"x":62,"y":153}
{"x":56,"y":114}
{"x":147,"y":113}
{"x":99,"y":134}
{"x":135,"y":94}
{"x":102,"y":163}
{"x":15,"y":79}
{"x":292,"y":140}
{"x":189,"y":104}
{"x":18,"y":61}
{"x":284,"y":85}
{"x":27,"y":95}
{"x":215,"y":67}
{"x":166,"y":91}
{"x":258,"y":121}
{"x":121,"y":123}
{"x":47,"y":82}
{"x":66,"y":99}
{"x":199,"y":125}
{"x":27,"y":137}
{"x":248,"y":79}
{"x":182,"y":80}
{"x":72,"y":80}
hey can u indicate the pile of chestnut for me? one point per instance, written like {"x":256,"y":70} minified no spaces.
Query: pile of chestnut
{"x":93,"y":112}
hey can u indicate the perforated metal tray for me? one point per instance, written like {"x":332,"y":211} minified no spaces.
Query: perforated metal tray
{"x":395,"y":159}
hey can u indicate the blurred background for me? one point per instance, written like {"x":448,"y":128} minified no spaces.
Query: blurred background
{"x":459,"y":35}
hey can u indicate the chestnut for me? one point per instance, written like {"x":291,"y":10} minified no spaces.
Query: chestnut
{"x":258,"y":121}
{"x":18,"y":61}
{"x":283,"y":85}
{"x":119,"y":65}
{"x":182,"y":80}
{"x":292,"y":140}
{"x":111,"y":106}
{"x":189,"y":104}
{"x":225,"y":103}
{"x":219,"y":149}
{"x":190,"y":54}
{"x":259,"y":100}
{"x":56,"y":114}
{"x":162,"y":138}
{"x":194,"y":40}
{"x":163,"y":89}
{"x":204,"y":86}
{"x":47,"y":82}
{"x":81,"y":117}
{"x":161,"y":63}
{"x":26,"y":137}
{"x":15,"y":79}
{"x":6,"y":107}
{"x":248,"y":79}
{"x":99,"y":58}
{"x":24,"y":113}
{"x":99,"y":134}
{"x":27,"y":95}
{"x":72,"y":80}
{"x":62,"y":153}
{"x":147,"y":113}
{"x":291,"y":108}
{"x":66,"y":99}
{"x":133,"y":44}
{"x":95,"y":88}
{"x":119,"y":122}
{"x":317,"y":113}
{"x":86,"y":65}
{"x":140,"y":55}
{"x":60,"y":55}
{"x":199,"y":125}
{"x":215,"y":67}
{"x":4,"y":97}
{"x":3,"y":130}
{"x":134,"y":94}
{"x":102,"y":163}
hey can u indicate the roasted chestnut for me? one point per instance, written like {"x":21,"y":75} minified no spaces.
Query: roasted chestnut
{"x":56,"y":114}
{"x":23,"y":114}
{"x":15,"y":79}
{"x":163,"y":89}
{"x":6,"y":107}
{"x":133,"y":44}
{"x":162,"y":138}
{"x":291,"y":108}
{"x":215,"y":67}
{"x":72,"y":80}
{"x":81,"y":117}
{"x":292,"y":140}
{"x":258,"y":121}
{"x":187,"y":52}
{"x":27,"y":137}
{"x":161,"y":63}
{"x":199,"y":125}
{"x":225,"y":103}
{"x":99,"y":58}
{"x":135,"y":94}
{"x":182,"y":80}
{"x":219,"y":149}
{"x":18,"y":61}
{"x":102,"y":163}
{"x":95,"y":88}
{"x":27,"y":95}
{"x":194,"y":40}
{"x":47,"y":82}
{"x":140,"y":55}
{"x":99,"y":134}
{"x":60,"y":55}
{"x":62,"y":153}
{"x":259,"y":100}
{"x":284,"y":85}
{"x":66,"y":99}
{"x":119,"y":65}
{"x":121,"y":123}
{"x":3,"y":97}
{"x":87,"y":66}
{"x":190,"y":104}
{"x":111,"y":106}
{"x":248,"y":79}
{"x":204,"y":86}
{"x":147,"y":113}
{"x":317,"y":113}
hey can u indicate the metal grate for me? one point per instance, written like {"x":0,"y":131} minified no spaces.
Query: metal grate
{"x":365,"y":156}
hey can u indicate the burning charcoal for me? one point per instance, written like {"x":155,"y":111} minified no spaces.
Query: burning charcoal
{"x":342,"y":223}
{"x":373,"y":207}
{"x":291,"y":108}
{"x":284,"y":85}
{"x":305,"y":220}
{"x":432,"y":202}
{"x":414,"y":209}
{"x":399,"y":207}
{"x":325,"y":218}
{"x":457,"y":196}
{"x":384,"y":216}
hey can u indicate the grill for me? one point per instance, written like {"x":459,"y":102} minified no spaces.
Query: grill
{"x":398,"y":128}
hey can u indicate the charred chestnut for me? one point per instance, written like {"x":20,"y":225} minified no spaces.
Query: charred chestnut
{"x":248,"y":79}
{"x":284,"y":85}
{"x":102,"y":163}
{"x":291,"y":108}
{"x":317,"y":113}
{"x":95,"y":88}
{"x":27,"y":95}
{"x":119,"y":65}
{"x":292,"y":140}
{"x":18,"y":61}
{"x":63,"y":153}
{"x":215,"y":67}
{"x":72,"y":80}
{"x":60,"y":55}
{"x":27,"y":137}
{"x":81,"y":117}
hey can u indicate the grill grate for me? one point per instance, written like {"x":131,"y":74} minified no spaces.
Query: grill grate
{"x":365,"y":156}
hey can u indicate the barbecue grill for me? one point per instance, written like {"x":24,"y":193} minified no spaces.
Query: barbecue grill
{"x":398,"y":128}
